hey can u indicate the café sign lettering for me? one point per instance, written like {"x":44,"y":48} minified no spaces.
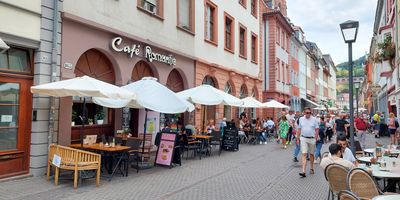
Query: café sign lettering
{"x":134,"y":49}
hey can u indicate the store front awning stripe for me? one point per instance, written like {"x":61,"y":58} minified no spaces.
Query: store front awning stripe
{"x":311,"y":102}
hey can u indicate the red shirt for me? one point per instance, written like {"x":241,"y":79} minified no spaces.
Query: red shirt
{"x":360,"y":124}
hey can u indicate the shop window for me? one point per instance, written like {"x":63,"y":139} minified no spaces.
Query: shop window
{"x":15,"y":59}
{"x":94,"y":113}
{"x":229,"y":32}
{"x":242,"y":41}
{"x":211,"y":22}
{"x":186,"y":15}
{"x":254,"y":47}
{"x":153,"y":7}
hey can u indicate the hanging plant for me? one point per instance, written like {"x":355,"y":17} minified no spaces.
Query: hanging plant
{"x":386,"y":51}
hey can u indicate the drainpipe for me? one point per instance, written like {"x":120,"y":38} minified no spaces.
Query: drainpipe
{"x":53,"y":71}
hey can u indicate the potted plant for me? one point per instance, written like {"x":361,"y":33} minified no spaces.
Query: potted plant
{"x":100,"y":116}
{"x":90,"y":121}
{"x":73,"y":118}
{"x":386,"y":51}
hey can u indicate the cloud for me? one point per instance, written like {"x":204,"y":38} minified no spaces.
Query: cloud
{"x":320,"y":21}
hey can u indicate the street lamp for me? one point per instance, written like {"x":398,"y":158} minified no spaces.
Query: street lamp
{"x":349,"y":31}
{"x":357,"y":86}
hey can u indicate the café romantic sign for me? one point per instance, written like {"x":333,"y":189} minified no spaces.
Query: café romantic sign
{"x":134,"y":50}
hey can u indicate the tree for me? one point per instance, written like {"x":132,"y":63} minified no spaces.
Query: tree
{"x":345,"y":108}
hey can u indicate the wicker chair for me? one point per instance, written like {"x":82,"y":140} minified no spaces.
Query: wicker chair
{"x":325,"y":154}
{"x":347,"y":195}
{"x":336,"y":175}
{"x":361,"y":183}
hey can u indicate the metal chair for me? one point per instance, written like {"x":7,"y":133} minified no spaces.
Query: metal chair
{"x":216,"y":140}
{"x":134,"y":154}
{"x":336,"y":175}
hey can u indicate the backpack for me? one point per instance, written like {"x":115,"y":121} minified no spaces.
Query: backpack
{"x":396,"y":123}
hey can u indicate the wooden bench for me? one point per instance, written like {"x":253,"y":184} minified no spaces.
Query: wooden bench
{"x":73,"y":159}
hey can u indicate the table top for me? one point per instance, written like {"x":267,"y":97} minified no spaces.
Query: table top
{"x":372,"y":150}
{"x":365,"y":159}
{"x":201,"y":136}
{"x":386,"y":173}
{"x":387,"y":197}
{"x":97,"y":146}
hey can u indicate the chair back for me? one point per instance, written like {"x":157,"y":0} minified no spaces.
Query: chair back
{"x":336,"y":175}
{"x":118,"y":140}
{"x":188,"y":132}
{"x":216,"y":136}
{"x":325,"y":154}
{"x":134,"y":144}
{"x":347,"y":195}
{"x":361,"y":183}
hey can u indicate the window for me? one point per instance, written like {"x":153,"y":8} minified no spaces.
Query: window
{"x":186,"y":14}
{"x":254,"y":47}
{"x":153,"y":7}
{"x":211,"y":22}
{"x":229,"y":32}
{"x":15,"y":59}
{"x":254,"y":8}
{"x":242,"y":41}
{"x":243,"y":3}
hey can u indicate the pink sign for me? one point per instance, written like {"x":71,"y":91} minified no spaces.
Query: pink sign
{"x":168,"y":136}
{"x":165,"y":150}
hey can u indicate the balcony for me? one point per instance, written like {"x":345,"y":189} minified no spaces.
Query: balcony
{"x":386,"y":69}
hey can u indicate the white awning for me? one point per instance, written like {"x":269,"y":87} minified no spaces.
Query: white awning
{"x":311,"y":102}
{"x":3,"y":46}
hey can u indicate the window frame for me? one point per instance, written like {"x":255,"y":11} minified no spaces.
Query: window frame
{"x":214,"y":41}
{"x":242,"y":27}
{"x":232,"y":33}
{"x":192,"y":15}
{"x":30,"y":64}
{"x":160,"y":9}
{"x":255,"y":3}
{"x":255,"y":37}
{"x":243,"y":3}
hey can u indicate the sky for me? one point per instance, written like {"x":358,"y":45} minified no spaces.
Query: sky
{"x":320,"y":21}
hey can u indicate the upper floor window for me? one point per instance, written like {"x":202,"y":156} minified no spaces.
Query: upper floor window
{"x":186,"y":14}
{"x":229,"y":32}
{"x":254,"y":47}
{"x":254,"y":8}
{"x":242,"y":41}
{"x":211,"y":22}
{"x":243,"y":3}
{"x":152,"y":6}
{"x":15,"y":59}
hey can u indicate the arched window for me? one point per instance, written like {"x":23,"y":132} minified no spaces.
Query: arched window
{"x":228,"y":109}
{"x":242,"y":94}
{"x":253,"y":112}
{"x":208,"y":80}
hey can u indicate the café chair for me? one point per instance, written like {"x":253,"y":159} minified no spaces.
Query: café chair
{"x":347,"y":195}
{"x":336,"y":175}
{"x":361,"y":183}
{"x":216,"y":140}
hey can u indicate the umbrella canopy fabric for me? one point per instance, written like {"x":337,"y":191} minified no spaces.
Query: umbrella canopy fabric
{"x":84,"y":86}
{"x":251,"y":102}
{"x":333,"y":108}
{"x":319,"y":108}
{"x":150,"y":94}
{"x":274,"y":104}
{"x":208,"y":95}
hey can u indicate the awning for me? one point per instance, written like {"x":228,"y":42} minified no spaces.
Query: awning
{"x":3,"y":46}
{"x":311,"y":102}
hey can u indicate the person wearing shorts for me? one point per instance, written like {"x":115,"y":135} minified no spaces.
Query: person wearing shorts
{"x":307,"y":135}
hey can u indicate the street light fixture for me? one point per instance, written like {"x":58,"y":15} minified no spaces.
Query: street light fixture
{"x":349,"y":31}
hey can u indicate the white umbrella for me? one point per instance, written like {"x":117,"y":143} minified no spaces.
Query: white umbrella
{"x":319,"y":108}
{"x":251,"y":102}
{"x":274,"y":104}
{"x":208,"y":95}
{"x":150,"y":94}
{"x":84,"y":86}
{"x":333,"y":108}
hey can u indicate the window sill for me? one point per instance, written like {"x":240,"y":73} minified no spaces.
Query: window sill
{"x":254,"y":15}
{"x":185,"y":30}
{"x":255,"y":62}
{"x":243,"y":5}
{"x":242,"y":56}
{"x":229,"y":50}
{"x":211,"y":42}
{"x":150,"y":13}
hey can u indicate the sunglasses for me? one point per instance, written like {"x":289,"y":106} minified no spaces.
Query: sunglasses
{"x":308,"y":112}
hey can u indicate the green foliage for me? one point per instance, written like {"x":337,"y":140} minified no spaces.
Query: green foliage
{"x":345,"y":108}
{"x":100,"y":114}
{"x":74,"y":115}
{"x":386,"y":50}
{"x":358,"y":69}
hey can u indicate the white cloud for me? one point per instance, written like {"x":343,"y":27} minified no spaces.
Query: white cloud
{"x":320,"y":21}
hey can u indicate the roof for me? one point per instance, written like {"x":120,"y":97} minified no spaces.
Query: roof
{"x":282,"y":19}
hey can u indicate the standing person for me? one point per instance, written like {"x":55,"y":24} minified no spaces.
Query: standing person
{"x":290,"y":117}
{"x":222,"y":124}
{"x":392,"y":127}
{"x":321,"y":139}
{"x":297,"y":148}
{"x":330,"y":122}
{"x":283,"y":130}
{"x":376,"y":121}
{"x":339,"y":128}
{"x":307,"y":135}
{"x":360,"y":126}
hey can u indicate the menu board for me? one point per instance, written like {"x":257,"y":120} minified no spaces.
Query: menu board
{"x":230,"y":139}
{"x":166,"y":149}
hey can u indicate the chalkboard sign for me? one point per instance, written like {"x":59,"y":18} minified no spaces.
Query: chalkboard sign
{"x":230,"y":139}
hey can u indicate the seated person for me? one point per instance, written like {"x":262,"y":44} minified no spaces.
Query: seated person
{"x":210,"y":127}
{"x":166,"y":128}
{"x":191,"y":127}
{"x":336,"y":153}
{"x":346,"y":152}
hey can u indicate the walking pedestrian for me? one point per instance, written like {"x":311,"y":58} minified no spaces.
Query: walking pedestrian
{"x":392,"y":127}
{"x":283,"y":130}
{"x":330,"y":122}
{"x":290,"y":117}
{"x":307,"y":135}
{"x":376,"y":121}
{"x":360,"y":126}
{"x":297,"y":142}
{"x":340,"y":125}
{"x":321,"y":139}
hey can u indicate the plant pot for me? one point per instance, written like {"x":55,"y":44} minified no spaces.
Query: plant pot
{"x":72,"y":123}
{"x":100,"y":121}
{"x":90,"y":123}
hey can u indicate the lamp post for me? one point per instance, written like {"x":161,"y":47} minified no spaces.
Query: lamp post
{"x":357,"y":86}
{"x":349,"y":31}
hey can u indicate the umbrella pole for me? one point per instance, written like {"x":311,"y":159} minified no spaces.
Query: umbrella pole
{"x":144,"y":134}
{"x":83,"y":121}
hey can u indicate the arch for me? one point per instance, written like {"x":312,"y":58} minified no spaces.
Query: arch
{"x":228,"y":88}
{"x":254,"y":92}
{"x":95,"y":64}
{"x":209,"y":80}
{"x":243,"y":91}
{"x":175,"y":81}
{"x":142,"y":69}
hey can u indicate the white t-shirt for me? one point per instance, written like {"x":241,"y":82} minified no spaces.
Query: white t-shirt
{"x":308,"y":126}
{"x":348,"y":155}
{"x":290,"y":117}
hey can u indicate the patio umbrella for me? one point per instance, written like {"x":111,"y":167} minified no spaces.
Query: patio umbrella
{"x":319,"y":108}
{"x":251,"y":102}
{"x":150,"y":95}
{"x":333,"y":108}
{"x":274,"y":104}
{"x":84,"y":86}
{"x":209,"y":95}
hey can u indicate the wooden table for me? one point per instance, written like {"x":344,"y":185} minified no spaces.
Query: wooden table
{"x":387,"y":197}
{"x":203,"y":139}
{"x":112,"y":151}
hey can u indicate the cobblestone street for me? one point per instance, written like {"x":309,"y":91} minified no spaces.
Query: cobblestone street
{"x":254,"y":172}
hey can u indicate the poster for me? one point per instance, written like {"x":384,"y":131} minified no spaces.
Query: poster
{"x":164,"y":154}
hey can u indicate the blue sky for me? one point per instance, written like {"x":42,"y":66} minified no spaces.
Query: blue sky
{"x":320,"y":21}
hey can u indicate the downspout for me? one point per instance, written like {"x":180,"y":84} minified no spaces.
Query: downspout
{"x":53,"y":71}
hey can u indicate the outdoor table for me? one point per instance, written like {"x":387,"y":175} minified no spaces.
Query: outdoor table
{"x":387,"y":197}
{"x":385,"y":174}
{"x":203,"y":139}
{"x":393,"y":152}
{"x":112,"y":151}
{"x":365,"y":159}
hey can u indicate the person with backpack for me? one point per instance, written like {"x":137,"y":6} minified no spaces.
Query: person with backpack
{"x":392,"y":125}
{"x":360,"y":126}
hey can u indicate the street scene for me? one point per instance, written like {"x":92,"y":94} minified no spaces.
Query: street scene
{"x":200,"y":99}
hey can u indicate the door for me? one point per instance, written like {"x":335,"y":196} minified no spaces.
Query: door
{"x":15,"y":125}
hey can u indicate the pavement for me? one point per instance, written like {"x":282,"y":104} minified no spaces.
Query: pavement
{"x":254,"y":172}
